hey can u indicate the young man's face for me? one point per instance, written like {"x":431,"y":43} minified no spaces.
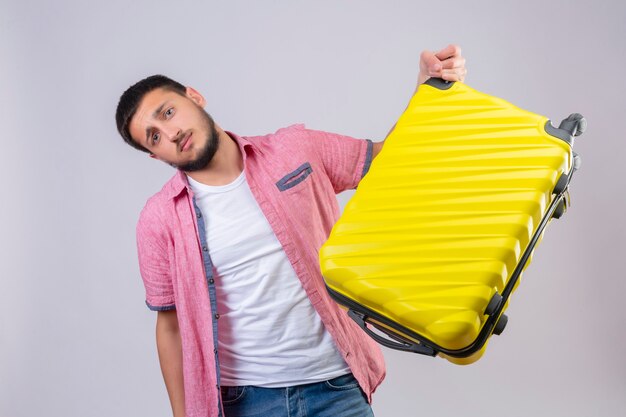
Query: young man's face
{"x":175,"y":129}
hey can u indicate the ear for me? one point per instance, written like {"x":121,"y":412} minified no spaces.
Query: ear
{"x":153,"y":156}
{"x":195,"y":96}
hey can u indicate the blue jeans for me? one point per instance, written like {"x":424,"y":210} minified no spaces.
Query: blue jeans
{"x":337,"y":397}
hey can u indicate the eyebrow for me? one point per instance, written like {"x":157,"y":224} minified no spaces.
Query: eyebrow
{"x":154,"y":116}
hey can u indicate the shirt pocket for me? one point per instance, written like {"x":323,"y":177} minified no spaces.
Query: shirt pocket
{"x":295,"y":177}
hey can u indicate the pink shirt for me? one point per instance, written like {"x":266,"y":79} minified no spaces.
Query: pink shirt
{"x":294,"y":175}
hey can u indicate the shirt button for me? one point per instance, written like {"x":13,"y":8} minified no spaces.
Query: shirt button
{"x":198,"y":215}
{"x":204,"y":248}
{"x":211,"y":281}
{"x":215,"y":351}
{"x":217,"y":316}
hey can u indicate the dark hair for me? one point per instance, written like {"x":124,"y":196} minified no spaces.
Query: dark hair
{"x":130,"y":100}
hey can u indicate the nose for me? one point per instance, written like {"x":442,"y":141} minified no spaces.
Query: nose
{"x":172,"y":133}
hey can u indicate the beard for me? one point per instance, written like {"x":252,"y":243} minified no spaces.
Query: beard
{"x":208,"y":151}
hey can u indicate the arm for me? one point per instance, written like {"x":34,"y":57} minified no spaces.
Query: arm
{"x":171,"y":359}
{"x":447,"y":64}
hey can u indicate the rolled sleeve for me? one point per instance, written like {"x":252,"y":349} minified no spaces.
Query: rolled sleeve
{"x":154,"y":264}
{"x":346,"y":160}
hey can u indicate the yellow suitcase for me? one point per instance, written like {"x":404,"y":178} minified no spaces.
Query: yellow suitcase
{"x":435,"y":238}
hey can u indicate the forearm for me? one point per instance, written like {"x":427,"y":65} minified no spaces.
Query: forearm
{"x":171,"y":358}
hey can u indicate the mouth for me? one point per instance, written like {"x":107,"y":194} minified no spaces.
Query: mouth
{"x":185,"y":143}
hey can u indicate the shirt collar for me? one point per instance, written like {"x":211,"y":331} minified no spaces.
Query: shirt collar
{"x":179,"y":182}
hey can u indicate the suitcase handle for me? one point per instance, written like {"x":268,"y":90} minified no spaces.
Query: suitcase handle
{"x":405,"y":346}
{"x":439,"y":83}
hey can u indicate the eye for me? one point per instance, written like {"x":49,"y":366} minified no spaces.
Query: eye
{"x":155,"y":138}
{"x":169,"y":112}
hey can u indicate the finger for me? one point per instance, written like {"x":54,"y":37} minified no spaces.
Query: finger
{"x":430,"y":64}
{"x":448,"y":52}
{"x":455,"y":62}
{"x":455,"y":74}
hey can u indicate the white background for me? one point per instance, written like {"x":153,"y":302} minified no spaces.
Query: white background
{"x":75,"y":336}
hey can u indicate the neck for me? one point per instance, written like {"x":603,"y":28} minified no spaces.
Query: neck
{"x":226,"y":165}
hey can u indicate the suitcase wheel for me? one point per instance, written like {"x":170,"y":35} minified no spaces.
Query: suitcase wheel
{"x":560,"y":209}
{"x":493,"y":305}
{"x":576,"y":161}
{"x":575,"y":124}
{"x":500,"y":325}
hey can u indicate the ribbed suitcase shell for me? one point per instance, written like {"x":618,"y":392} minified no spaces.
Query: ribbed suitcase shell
{"x":443,"y":218}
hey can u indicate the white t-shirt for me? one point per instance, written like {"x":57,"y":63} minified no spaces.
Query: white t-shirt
{"x":269,"y":334}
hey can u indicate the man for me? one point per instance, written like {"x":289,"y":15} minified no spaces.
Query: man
{"x":228,"y":255}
